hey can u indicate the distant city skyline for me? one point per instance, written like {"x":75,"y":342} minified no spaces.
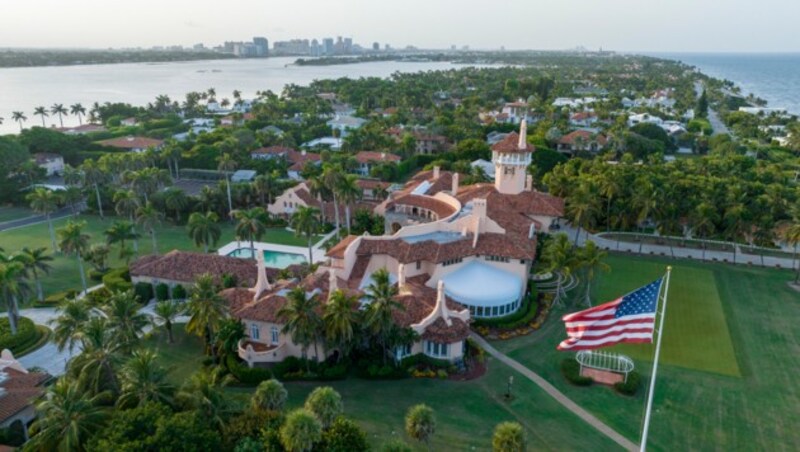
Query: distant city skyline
{"x":621,"y":25}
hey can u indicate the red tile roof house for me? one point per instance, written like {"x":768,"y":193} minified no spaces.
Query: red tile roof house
{"x":426,"y":143}
{"x":235,"y":120}
{"x":19,"y":389}
{"x":366,"y":160}
{"x":290,"y":200}
{"x":296,"y":159}
{"x":583,"y":119}
{"x":134,"y":144}
{"x":582,"y":140}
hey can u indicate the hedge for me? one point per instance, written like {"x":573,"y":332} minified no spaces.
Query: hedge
{"x":55,"y":299}
{"x":631,"y":386}
{"x":162,"y":292}
{"x":27,"y":334}
{"x":118,"y":280}
{"x":244,"y":374}
{"x":144,"y":291}
{"x":293,"y":368}
{"x":572,"y":372}
{"x":179,"y":292}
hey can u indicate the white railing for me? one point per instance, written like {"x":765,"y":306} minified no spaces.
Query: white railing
{"x":607,"y":361}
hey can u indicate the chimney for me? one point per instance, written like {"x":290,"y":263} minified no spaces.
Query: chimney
{"x":455,"y":183}
{"x":383,"y":156}
{"x":333,"y":282}
{"x":441,"y":303}
{"x":436,"y":172}
{"x":523,"y":135}
{"x":262,"y":283}
{"x":529,"y":183}
{"x":303,"y":152}
{"x":479,"y":207}
{"x":401,"y":276}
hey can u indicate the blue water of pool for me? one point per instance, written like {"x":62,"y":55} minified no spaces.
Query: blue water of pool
{"x":274,"y":259}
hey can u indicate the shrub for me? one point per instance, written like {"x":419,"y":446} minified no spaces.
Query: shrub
{"x":179,"y":292}
{"x":58,"y":297}
{"x":344,"y":435}
{"x":27,"y":334}
{"x":325,"y":403}
{"x":337,"y":372}
{"x":509,"y":437}
{"x":144,"y":291}
{"x":300,"y":431}
{"x":572,"y":372}
{"x":442,"y":374}
{"x":162,"y":292}
{"x":118,"y":280}
{"x":395,"y":445}
{"x":98,"y":297}
{"x":631,"y":386}
{"x":228,"y":281}
{"x":95,"y":275}
{"x":244,"y":374}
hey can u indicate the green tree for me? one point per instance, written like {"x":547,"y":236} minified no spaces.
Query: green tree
{"x":124,"y":318}
{"x":592,"y":260}
{"x":344,"y":435}
{"x":126,"y":202}
{"x":349,"y":192}
{"x":509,"y":437}
{"x":144,"y":380}
{"x":305,"y":222}
{"x":72,"y":240}
{"x":792,"y":237}
{"x":149,"y":218}
{"x":97,"y":365}
{"x":37,"y":261}
{"x":175,"y":200}
{"x":300,"y":431}
{"x":119,"y":232}
{"x":19,"y":117}
{"x":331,"y":179}
{"x":60,"y":110}
{"x":421,"y":423}
{"x":251,"y":225}
{"x":79,"y":111}
{"x":67,"y":418}
{"x":166,"y":311}
{"x":341,"y":320}
{"x":265,"y":186}
{"x":301,"y":319}
{"x":207,"y":310}
{"x":559,"y":256}
{"x":205,"y":392}
{"x":227,"y":164}
{"x":582,"y":209}
{"x":94,"y":176}
{"x":270,"y":395}
{"x":379,"y":315}
{"x":204,"y":229}
{"x":701,"y":108}
{"x":45,"y":202}
{"x":12,"y":284}
{"x":41,"y":111}
{"x":73,"y":315}
{"x":325,"y":403}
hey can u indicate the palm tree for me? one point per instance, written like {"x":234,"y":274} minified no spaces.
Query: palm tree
{"x":340,"y":320}
{"x":205,"y":392}
{"x":149,"y":218}
{"x":12,"y":274}
{"x":45,"y":202}
{"x":331,"y":178}
{"x":172,"y":154}
{"x":609,"y":188}
{"x":592,"y":259}
{"x":36,"y":261}
{"x":69,"y":325}
{"x":60,"y":110}
{"x":41,"y":111}
{"x":72,"y":240}
{"x":166,"y":311}
{"x":19,"y":117}
{"x":792,"y":237}
{"x":421,"y":423}
{"x":582,"y":209}
{"x":94,"y":175}
{"x":559,"y":255}
{"x":96,"y":366}
{"x":348,"y":192}
{"x":380,"y":295}
{"x":704,"y":218}
{"x":305,"y":222}
{"x":325,"y":403}
{"x":79,"y":111}
{"x":270,"y":395}
{"x":207,"y":309}
{"x":302,"y":321}
{"x":204,"y":229}
{"x":119,"y":232}
{"x":264,"y":186}
{"x":300,"y":431}
{"x":72,"y":196}
{"x":124,"y":318}
{"x":144,"y":380}
{"x":226,"y":164}
{"x":251,"y":225}
{"x":66,"y":418}
{"x":126,"y":203}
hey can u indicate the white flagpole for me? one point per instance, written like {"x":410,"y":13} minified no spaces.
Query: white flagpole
{"x":643,"y":445}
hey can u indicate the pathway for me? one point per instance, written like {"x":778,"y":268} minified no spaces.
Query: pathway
{"x":35,"y":219}
{"x":558,"y":395}
{"x":713,"y":118}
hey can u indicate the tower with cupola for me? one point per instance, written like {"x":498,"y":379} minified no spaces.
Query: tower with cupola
{"x":511,"y":158}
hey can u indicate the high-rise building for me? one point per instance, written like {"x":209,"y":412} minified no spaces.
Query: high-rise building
{"x":316,"y":49}
{"x":348,"y":46}
{"x":376,"y":46}
{"x":261,"y":46}
{"x":327,"y":46}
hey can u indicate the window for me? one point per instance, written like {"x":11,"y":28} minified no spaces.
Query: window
{"x":275,"y":335}
{"x":436,"y":349}
{"x":494,"y":311}
{"x":254,"y":333}
{"x":419,"y":265}
{"x":402,"y":351}
{"x":452,"y":261}
{"x":497,"y":259}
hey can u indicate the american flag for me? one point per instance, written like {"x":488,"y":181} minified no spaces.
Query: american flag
{"x":630,"y":318}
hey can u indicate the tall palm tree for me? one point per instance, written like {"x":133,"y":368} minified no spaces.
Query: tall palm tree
{"x":302,"y":320}
{"x":559,"y":256}
{"x":126,"y":202}
{"x":582,"y":209}
{"x":171,"y":152}
{"x":143,"y":379}
{"x":94,"y":175}
{"x":340,"y":320}
{"x":331,"y":178}
{"x":124,"y":318}
{"x":37,"y":261}
{"x":379,"y":316}
{"x":12,"y":274}
{"x":207,"y":309}
{"x":60,"y":110}
{"x":592,"y":260}
{"x":348,"y":192}
{"x":166,"y":311}
{"x":264,"y":186}
{"x":97,"y":365}
{"x":79,"y":111}
{"x":251,"y":225}
{"x":41,"y":111}
{"x":119,"y":232}
{"x":704,"y":218}
{"x":19,"y":117}
{"x":305,"y":222}
{"x":149,"y":218}
{"x":73,"y":315}
{"x":227,"y":164}
{"x":44,"y":202}
{"x":204,"y":391}
{"x":66,"y":418}
{"x":204,"y":229}
{"x":72,"y":240}
{"x":175,"y":200}
{"x":72,"y":196}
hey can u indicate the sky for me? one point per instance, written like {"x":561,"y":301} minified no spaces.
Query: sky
{"x":621,"y":25}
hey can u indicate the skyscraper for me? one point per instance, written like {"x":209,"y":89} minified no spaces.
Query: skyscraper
{"x":327,"y":46}
{"x":261,"y":46}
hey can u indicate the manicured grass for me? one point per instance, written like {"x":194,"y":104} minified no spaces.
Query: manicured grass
{"x":693,"y":409}
{"x":65,"y":275}
{"x":183,"y":357}
{"x":14,"y":213}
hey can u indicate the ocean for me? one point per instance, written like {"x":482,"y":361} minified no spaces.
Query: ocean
{"x":774,"y":77}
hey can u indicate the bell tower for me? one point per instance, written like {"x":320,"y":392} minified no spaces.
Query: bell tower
{"x":511,"y":158}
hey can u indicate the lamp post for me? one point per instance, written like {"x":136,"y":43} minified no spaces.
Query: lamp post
{"x":510,"y":382}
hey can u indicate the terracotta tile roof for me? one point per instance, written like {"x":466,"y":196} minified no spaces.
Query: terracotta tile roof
{"x":328,"y":207}
{"x":266,"y":308}
{"x":185,"y":266}
{"x":237,"y":297}
{"x":337,"y":251}
{"x":371,"y":156}
{"x":418,"y":301}
{"x":581,"y":115}
{"x":511,"y":144}
{"x":587,"y":136}
{"x":371,"y":184}
{"x":441,"y":208}
{"x":291,"y":155}
{"x":131,"y":142}
{"x":440,"y":332}
{"x":21,"y":389}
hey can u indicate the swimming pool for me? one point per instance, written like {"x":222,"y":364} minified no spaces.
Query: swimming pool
{"x":274,"y":259}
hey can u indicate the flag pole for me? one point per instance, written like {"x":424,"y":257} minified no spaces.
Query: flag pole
{"x":643,"y":445}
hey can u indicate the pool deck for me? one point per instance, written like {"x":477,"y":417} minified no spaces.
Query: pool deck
{"x":317,"y":252}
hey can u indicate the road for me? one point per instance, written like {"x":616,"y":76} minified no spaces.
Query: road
{"x":27,"y":221}
{"x":716,"y":123}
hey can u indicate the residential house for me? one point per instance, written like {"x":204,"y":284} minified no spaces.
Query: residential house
{"x":129,"y":122}
{"x":583,"y":119}
{"x":81,"y":130}
{"x":53,"y":164}
{"x":133,"y":143}
{"x":367,"y":159}
{"x":273,"y":130}
{"x":332,"y":143}
{"x":344,"y":124}
{"x":582,"y":140}
{"x":644,"y":118}
{"x":287,"y":203}
{"x":515,"y":111}
{"x":19,"y":389}
{"x":425,"y":142}
{"x":295,"y":159}
{"x":236,"y":120}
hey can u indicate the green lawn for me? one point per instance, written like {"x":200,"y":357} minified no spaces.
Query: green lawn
{"x":183,"y":357}
{"x":65,"y":273}
{"x":699,"y":405}
{"x":14,"y":213}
